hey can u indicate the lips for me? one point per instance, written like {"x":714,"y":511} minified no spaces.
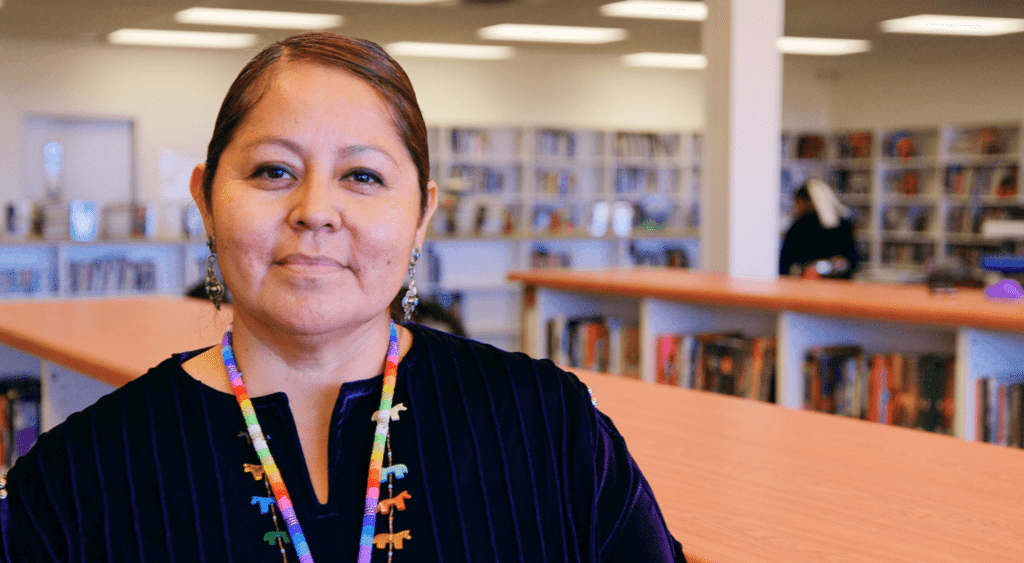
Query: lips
{"x":308,"y":262}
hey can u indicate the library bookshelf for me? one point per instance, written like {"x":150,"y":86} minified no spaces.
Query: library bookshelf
{"x":38,"y":269}
{"x":535,"y":196}
{"x":919,"y":193}
{"x":985,"y":337}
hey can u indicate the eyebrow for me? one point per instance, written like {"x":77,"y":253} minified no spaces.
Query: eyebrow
{"x":297,"y":148}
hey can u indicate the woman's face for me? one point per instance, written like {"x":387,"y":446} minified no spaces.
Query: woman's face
{"x":315,"y":204}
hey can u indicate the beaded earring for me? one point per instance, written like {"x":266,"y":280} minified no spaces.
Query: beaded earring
{"x":214,"y":287}
{"x":410,"y":300}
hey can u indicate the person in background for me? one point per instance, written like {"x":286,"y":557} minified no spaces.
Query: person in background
{"x":819,"y":243}
{"x":320,"y":428}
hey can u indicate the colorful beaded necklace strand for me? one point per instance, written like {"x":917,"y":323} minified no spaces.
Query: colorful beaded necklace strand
{"x":273,"y":474}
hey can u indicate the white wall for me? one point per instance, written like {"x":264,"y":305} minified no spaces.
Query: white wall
{"x":173,"y":96}
{"x":952,"y":88}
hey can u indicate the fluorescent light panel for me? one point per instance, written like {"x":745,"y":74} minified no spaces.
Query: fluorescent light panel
{"x":552,"y":33}
{"x":666,"y":60}
{"x":657,"y":10}
{"x":167,"y":38}
{"x":410,"y":2}
{"x":822,"y":46}
{"x":449,"y":50}
{"x":953,"y":25}
{"x":257,"y":18}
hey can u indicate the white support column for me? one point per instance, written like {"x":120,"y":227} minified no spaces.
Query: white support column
{"x":740,"y":195}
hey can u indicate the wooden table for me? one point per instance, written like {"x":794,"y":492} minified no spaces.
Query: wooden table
{"x":742,"y":482}
{"x":110,"y":340}
{"x":835,"y":298}
{"x":738,"y":481}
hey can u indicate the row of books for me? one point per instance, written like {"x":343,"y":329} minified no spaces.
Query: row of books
{"x":1000,"y":409}
{"x":111,"y":273}
{"x":854,"y":145}
{"x":556,"y":142}
{"x":984,"y":141}
{"x":595,"y":343}
{"x":23,"y":281}
{"x":543,"y":257}
{"x":909,"y":253}
{"x":907,"y":218}
{"x":659,"y":255}
{"x":477,"y":179}
{"x":969,"y":219}
{"x":556,"y":182}
{"x":993,"y":181}
{"x":646,"y":144}
{"x":910,"y":390}
{"x":728,"y":363}
{"x":851,"y":182}
{"x":19,"y":418}
{"x":470,"y":141}
{"x":903,"y":182}
{"x":636,"y":180}
{"x":908,"y":144}
{"x":814,"y":146}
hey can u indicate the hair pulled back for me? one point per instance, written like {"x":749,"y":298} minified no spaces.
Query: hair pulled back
{"x":363,"y":59}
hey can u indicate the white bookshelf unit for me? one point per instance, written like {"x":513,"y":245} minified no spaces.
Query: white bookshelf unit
{"x":58,"y":269}
{"x":986,"y":337}
{"x":521,"y":197}
{"x":920,"y":193}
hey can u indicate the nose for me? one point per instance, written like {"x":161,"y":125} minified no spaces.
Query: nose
{"x":315,"y":205}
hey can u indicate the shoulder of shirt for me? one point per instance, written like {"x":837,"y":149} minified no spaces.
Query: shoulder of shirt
{"x":522,"y":371}
{"x":102,"y":417}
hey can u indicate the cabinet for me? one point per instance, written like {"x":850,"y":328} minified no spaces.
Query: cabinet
{"x":521,"y":197}
{"x":986,"y":337}
{"x":919,"y":194}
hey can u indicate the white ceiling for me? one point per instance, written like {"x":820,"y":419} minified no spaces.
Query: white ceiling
{"x":456,"y":21}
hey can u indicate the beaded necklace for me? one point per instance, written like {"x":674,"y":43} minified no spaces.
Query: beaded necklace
{"x":273,"y":474}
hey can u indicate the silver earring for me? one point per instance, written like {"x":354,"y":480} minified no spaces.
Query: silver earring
{"x":410,"y":300}
{"x":214,"y":287}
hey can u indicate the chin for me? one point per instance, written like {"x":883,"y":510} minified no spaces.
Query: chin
{"x":320,"y":315}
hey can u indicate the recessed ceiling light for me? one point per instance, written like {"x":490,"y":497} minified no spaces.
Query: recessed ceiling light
{"x":449,"y":50}
{"x":257,"y":18}
{"x":657,"y":9}
{"x":552,"y":33}
{"x":394,"y":1}
{"x":666,"y":60}
{"x":953,"y":25}
{"x":166,"y":38}
{"x":821,"y":46}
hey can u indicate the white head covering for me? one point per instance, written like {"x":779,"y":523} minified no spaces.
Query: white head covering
{"x":830,"y":210}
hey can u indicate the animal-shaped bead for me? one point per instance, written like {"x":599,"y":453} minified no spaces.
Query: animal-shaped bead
{"x":254,"y":468}
{"x":394,"y":412}
{"x":398,"y":470}
{"x":264,"y":503}
{"x":382,"y":540}
{"x":272,"y":537}
{"x":398,"y":502}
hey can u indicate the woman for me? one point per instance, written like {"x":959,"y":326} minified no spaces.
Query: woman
{"x":363,"y":438}
{"x":820,"y":241}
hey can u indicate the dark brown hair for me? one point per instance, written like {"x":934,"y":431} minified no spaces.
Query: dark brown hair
{"x":363,"y":59}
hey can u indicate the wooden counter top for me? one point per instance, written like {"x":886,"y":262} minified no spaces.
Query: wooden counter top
{"x":110,"y":340}
{"x":746,"y":482}
{"x":738,"y":481}
{"x":836,"y":298}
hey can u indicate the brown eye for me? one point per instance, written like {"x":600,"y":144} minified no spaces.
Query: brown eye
{"x":363,"y":176}
{"x":273,"y":172}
